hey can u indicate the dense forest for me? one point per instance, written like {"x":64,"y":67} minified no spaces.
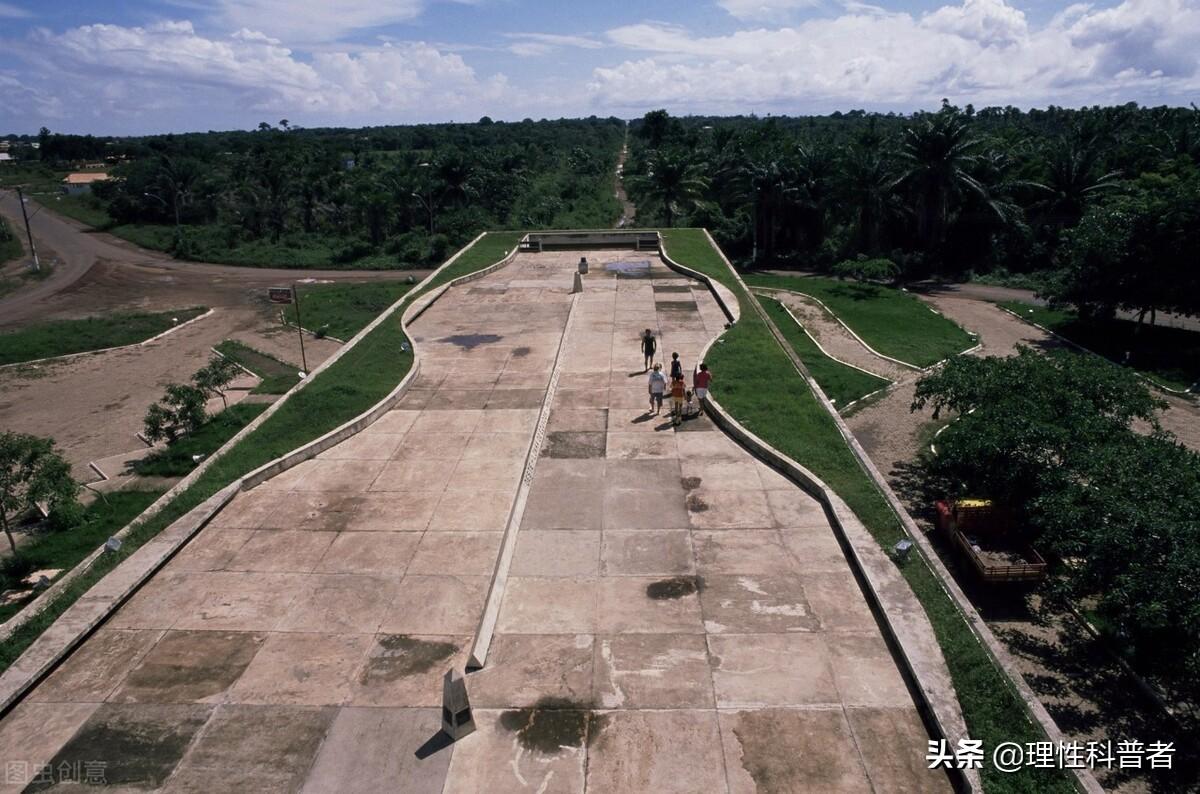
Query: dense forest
{"x":1098,"y":206}
{"x":377,"y":197}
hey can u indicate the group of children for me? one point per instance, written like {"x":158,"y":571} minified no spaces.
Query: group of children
{"x":684,"y":401}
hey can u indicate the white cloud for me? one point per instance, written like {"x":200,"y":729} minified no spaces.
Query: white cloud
{"x":315,"y":20}
{"x":538,"y":44}
{"x":766,"y":10}
{"x":982,"y":51}
{"x":9,"y":11}
{"x":142,"y":70}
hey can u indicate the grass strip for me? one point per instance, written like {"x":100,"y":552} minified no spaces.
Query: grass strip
{"x":755,"y":380}
{"x":176,"y":460}
{"x":890,"y":320}
{"x":363,"y":376}
{"x":64,"y":549}
{"x":342,"y":310}
{"x":10,"y":244}
{"x":1167,"y":356}
{"x":841,"y":384}
{"x":277,"y":376}
{"x":64,"y":337}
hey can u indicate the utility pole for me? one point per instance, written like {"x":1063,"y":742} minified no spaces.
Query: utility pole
{"x":300,"y":329}
{"x":37,"y":266}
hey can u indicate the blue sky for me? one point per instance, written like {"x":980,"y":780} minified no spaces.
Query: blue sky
{"x":145,"y":66}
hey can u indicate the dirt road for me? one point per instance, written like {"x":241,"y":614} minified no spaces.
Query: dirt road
{"x":93,"y":405}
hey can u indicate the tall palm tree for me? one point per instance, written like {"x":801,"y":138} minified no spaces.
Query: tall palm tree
{"x":770,"y":183}
{"x":1072,"y":176}
{"x":936,"y":156}
{"x":866,"y":189}
{"x":673,"y":181}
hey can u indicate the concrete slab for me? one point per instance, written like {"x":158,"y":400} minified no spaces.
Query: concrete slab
{"x":639,"y":751}
{"x":794,"y":750}
{"x":525,"y":669}
{"x":341,"y":603}
{"x":756,"y":603}
{"x":759,"y":670}
{"x":368,"y":749}
{"x":484,"y":511}
{"x":506,"y":754}
{"x":648,"y":671}
{"x":302,"y":670}
{"x":139,"y":745}
{"x":406,"y":512}
{"x":31,"y":735}
{"x":91,"y":675}
{"x":406,"y":670}
{"x":236,"y":601}
{"x":190,"y":667}
{"x":549,"y":606}
{"x":641,"y":446}
{"x":465,"y":553}
{"x":642,"y":509}
{"x":281,"y":550}
{"x":890,"y":742}
{"x":253,"y":748}
{"x":643,"y":552}
{"x":742,"y":551}
{"x":436,"y":605}
{"x":560,"y":552}
{"x":386,"y":553}
{"x":646,"y":605}
{"x":712,"y":509}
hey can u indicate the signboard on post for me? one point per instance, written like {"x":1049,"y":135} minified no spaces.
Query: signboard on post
{"x":279,"y":294}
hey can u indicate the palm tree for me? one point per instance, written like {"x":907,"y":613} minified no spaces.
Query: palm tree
{"x":1072,"y":176}
{"x":770,"y":183}
{"x":866,"y":189}
{"x":673,"y":181}
{"x":936,"y":155}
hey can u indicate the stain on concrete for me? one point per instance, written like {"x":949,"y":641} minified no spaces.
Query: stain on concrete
{"x":659,"y":288}
{"x":399,"y":656}
{"x":575,"y":444}
{"x":690,"y":483}
{"x":140,"y":744}
{"x":190,"y":666}
{"x":675,"y":587}
{"x":688,"y":307}
{"x":471,"y":341}
{"x":696,"y":503}
{"x":521,"y":352}
{"x":551,"y":724}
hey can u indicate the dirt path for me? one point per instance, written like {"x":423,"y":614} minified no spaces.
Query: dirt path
{"x":130,"y":277}
{"x":838,"y":342}
{"x":628,"y":211}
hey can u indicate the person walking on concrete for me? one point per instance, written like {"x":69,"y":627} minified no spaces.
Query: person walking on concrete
{"x":657,"y":387}
{"x":678,"y":393}
{"x":676,"y":367}
{"x":700,"y":382}
{"x":649,"y":348}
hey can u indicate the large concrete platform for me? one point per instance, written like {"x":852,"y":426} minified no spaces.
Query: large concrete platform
{"x":677,"y":616}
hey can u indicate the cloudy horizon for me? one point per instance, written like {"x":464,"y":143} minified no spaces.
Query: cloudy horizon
{"x":176,"y":65}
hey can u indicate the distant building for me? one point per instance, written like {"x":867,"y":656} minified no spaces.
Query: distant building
{"x":5,"y":157}
{"x":81,"y":182}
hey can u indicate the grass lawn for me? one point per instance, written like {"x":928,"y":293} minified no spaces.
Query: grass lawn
{"x":65,"y":549}
{"x":889,"y":320}
{"x":83,"y":208}
{"x":841,"y":384}
{"x":176,"y":459}
{"x":345,"y":309}
{"x":62,"y":337}
{"x":1168,"y":356}
{"x":755,"y":381}
{"x":360,"y":378}
{"x":277,"y":376}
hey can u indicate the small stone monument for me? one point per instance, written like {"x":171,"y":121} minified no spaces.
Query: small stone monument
{"x":578,"y":285}
{"x":457,"y":720}
{"x":583,"y":265}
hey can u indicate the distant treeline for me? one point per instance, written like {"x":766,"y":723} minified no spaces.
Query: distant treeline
{"x":1100,"y":205}
{"x":384,"y":196}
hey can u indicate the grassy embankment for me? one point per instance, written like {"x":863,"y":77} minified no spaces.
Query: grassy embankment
{"x":355,"y":382}
{"x":1167,"y":356}
{"x":63,"y":337}
{"x":277,"y":376}
{"x":10,"y":244}
{"x":893,"y":322}
{"x":755,"y":381}
{"x":176,"y":460}
{"x":841,"y":384}
{"x":63,"y":550}
{"x":345,"y":309}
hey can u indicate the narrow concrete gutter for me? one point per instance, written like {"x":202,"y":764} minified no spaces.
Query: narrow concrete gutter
{"x":114,"y":589}
{"x":1084,"y":779}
